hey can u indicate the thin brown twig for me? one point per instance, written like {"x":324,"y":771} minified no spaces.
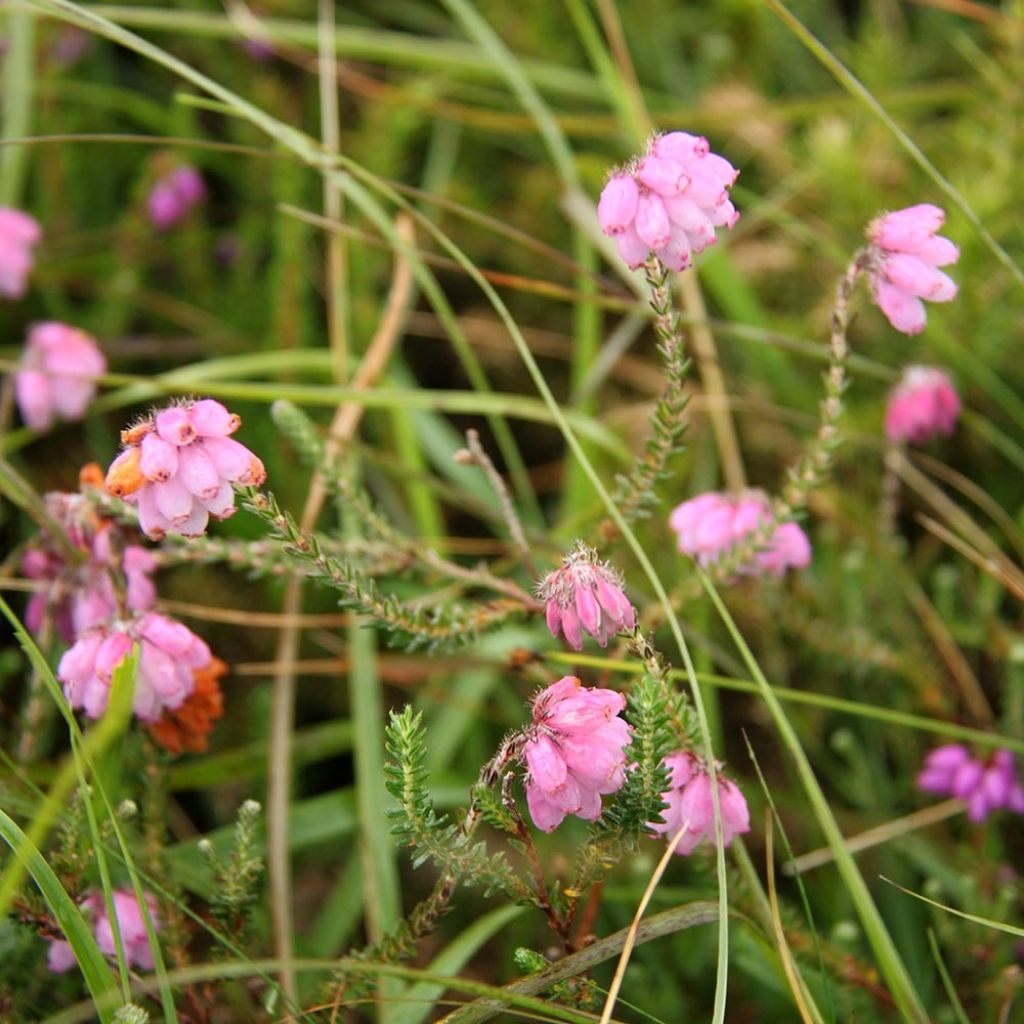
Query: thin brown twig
{"x":476,"y":454}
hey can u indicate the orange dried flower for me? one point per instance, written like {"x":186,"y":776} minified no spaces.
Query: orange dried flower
{"x":188,"y":726}
{"x":125,"y":474}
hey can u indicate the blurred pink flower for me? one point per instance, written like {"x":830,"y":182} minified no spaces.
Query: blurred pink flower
{"x":950,"y":770}
{"x":81,"y":593}
{"x":709,"y":526}
{"x":130,"y":923}
{"x":907,"y":255}
{"x":169,"y":654}
{"x":174,"y":195}
{"x":923,"y":405}
{"x":691,"y":807}
{"x":586,"y":594}
{"x":18,"y":234}
{"x":668,"y":201}
{"x":57,"y":374}
{"x":575,"y":751}
{"x":178,"y":467}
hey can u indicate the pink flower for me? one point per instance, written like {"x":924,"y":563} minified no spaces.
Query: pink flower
{"x":81,"y":593}
{"x":575,"y":752}
{"x":173,"y":197}
{"x":691,"y":807}
{"x":985,"y":787}
{"x":178,"y":467}
{"x":57,"y":378}
{"x":586,"y":595}
{"x":18,"y":234}
{"x":130,"y":923}
{"x":709,"y":526}
{"x":669,"y":201}
{"x":923,"y":405}
{"x":907,"y":253}
{"x":169,"y":654}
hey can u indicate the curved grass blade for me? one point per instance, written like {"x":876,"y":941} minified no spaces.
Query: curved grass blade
{"x":98,"y":977}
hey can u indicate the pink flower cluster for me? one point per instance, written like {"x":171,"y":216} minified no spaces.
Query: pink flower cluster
{"x":178,"y":467}
{"x":19,"y":234}
{"x":923,"y":405}
{"x":984,"y":787}
{"x":81,"y":595}
{"x":130,"y":923}
{"x":57,"y":378}
{"x":169,"y":654}
{"x":668,"y":202}
{"x":712,"y":524}
{"x":586,"y":595}
{"x":173,"y":197}
{"x":691,"y":806}
{"x":907,"y":253}
{"x":575,"y":752}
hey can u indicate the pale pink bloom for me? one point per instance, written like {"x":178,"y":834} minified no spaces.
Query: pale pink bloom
{"x":179,"y":466}
{"x":130,"y":922}
{"x":669,"y":201}
{"x":709,"y":526}
{"x":985,"y":787}
{"x":907,"y":253}
{"x":19,"y":233}
{"x":173,"y":197}
{"x":169,"y":654}
{"x":691,"y":806}
{"x":132,"y":925}
{"x":57,"y":374}
{"x":575,"y":751}
{"x":60,"y":957}
{"x":586,"y":596}
{"x":81,"y":594}
{"x":923,"y":405}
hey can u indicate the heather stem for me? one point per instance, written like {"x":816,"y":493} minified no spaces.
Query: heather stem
{"x":812,"y":469}
{"x":635,"y":493}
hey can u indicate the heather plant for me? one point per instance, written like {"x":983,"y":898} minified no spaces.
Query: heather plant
{"x":442,"y":582}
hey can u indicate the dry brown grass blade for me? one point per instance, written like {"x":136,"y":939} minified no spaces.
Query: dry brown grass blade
{"x":796,"y":983}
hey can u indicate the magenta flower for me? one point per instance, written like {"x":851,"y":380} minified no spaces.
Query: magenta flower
{"x":169,"y":654}
{"x":691,"y":807}
{"x":709,"y":526}
{"x":18,"y":234}
{"x":130,"y":923}
{"x":985,"y":787}
{"x":923,"y":405}
{"x":575,"y":752}
{"x":906,"y":255}
{"x":669,"y":201}
{"x":586,"y":596}
{"x":57,"y":375}
{"x":173,"y":197}
{"x":178,"y":467}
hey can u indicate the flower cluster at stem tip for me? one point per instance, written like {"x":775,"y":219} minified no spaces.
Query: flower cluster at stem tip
{"x":19,"y":235}
{"x":585,"y":595}
{"x":57,"y":374}
{"x":575,"y":751}
{"x":178,"y":467}
{"x":691,"y":806}
{"x":905,"y":254}
{"x":669,"y":201}
{"x":922,"y":406}
{"x":711,"y":525}
{"x":985,"y":787}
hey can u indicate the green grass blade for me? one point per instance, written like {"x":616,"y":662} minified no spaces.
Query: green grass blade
{"x":855,"y":88}
{"x":98,"y":977}
{"x":889,"y":961}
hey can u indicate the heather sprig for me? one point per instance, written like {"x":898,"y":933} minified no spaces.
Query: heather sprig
{"x":443,"y":627}
{"x":236,"y":880}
